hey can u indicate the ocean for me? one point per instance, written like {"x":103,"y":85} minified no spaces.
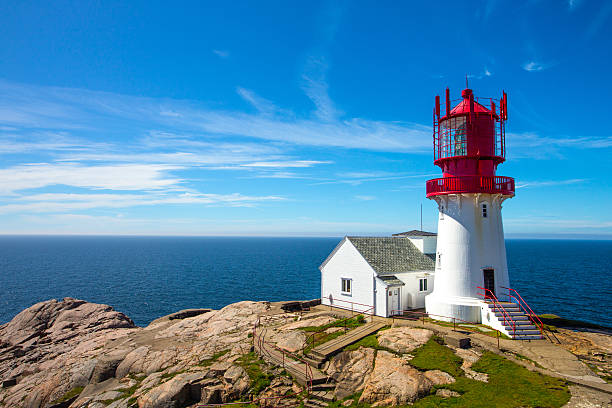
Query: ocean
{"x":148,"y":277}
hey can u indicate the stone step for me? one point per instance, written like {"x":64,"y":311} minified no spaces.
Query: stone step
{"x":526,"y":332}
{"x":324,"y":387}
{"x":322,"y":395}
{"x":314,"y":403}
{"x":513,"y":316}
{"x":313,"y":362}
{"x":528,"y":337}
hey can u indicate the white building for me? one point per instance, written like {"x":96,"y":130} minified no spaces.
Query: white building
{"x":380,"y":275}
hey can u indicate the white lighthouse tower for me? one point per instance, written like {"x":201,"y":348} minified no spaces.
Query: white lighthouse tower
{"x":471,"y":253}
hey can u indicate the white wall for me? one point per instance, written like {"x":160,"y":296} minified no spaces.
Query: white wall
{"x":467,"y":243}
{"x":346,"y":262}
{"x":381,"y":298}
{"x":412,"y":298}
{"x":426,"y":245}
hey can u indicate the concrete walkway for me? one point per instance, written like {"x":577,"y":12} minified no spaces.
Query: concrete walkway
{"x":557,"y":362}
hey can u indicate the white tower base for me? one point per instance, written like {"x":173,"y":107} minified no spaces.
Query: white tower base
{"x":470,"y":247}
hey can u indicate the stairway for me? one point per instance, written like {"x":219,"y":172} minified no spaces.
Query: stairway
{"x":524,"y":328}
{"x":321,"y":391}
{"x":318,"y":355}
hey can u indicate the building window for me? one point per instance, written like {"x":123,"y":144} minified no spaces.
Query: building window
{"x":423,"y":285}
{"x":439,"y":262}
{"x":441,"y":212}
{"x":484,"y":210}
{"x":347,"y":285}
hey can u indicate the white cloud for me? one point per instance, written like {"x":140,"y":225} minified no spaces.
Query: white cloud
{"x":63,"y":202}
{"x":536,"y":66}
{"x":297,"y":163}
{"x":111,"y":177}
{"x":548,"y":183}
{"x":221,"y":53}
{"x":33,"y":107}
{"x":365,"y":197}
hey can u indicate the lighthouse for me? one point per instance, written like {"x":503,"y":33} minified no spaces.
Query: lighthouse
{"x":469,"y":145}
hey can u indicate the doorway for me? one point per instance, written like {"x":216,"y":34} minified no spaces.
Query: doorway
{"x":393,"y":303}
{"x":489,"y":281}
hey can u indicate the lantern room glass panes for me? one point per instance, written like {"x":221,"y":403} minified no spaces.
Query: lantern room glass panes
{"x":454,"y":137}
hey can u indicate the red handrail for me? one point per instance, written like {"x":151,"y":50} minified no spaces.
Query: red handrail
{"x":470,"y":184}
{"x":526,"y":309}
{"x":496,"y":304}
{"x":259,"y":342}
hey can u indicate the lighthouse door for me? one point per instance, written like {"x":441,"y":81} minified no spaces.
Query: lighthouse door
{"x":489,"y":280}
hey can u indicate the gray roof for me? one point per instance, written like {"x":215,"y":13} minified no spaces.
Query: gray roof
{"x":415,"y":233}
{"x":391,"y":280}
{"x":389,"y":255}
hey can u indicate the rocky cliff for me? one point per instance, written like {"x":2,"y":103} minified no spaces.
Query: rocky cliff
{"x":75,"y":353}
{"x":72,"y":353}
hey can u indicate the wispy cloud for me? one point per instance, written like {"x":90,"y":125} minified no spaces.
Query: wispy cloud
{"x":365,"y":197}
{"x":54,"y":203}
{"x":297,"y":163}
{"x":536,"y":146}
{"x":109,"y":177}
{"x":221,"y":53}
{"x":317,"y":89}
{"x":357,"y":178}
{"x":65,"y":109}
{"x":536,"y":66}
{"x":549,"y":183}
{"x":573,"y":4}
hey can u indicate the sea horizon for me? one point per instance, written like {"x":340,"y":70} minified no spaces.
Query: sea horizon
{"x":147,"y":277}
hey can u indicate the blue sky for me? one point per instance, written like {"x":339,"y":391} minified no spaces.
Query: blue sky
{"x":292,"y":118}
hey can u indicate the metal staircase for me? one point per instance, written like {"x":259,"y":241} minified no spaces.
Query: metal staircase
{"x":515,"y":317}
{"x":516,"y":323}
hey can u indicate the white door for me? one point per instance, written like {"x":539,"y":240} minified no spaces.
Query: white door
{"x":393,"y":303}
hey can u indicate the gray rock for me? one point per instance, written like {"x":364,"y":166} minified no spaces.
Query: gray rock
{"x":350,"y":369}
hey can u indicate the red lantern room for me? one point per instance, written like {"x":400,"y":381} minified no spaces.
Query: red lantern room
{"x":469,"y":143}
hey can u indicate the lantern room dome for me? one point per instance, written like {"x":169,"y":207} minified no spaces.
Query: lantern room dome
{"x":464,"y":106}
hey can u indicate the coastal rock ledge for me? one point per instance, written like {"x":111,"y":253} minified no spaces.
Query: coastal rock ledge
{"x":79,"y":354}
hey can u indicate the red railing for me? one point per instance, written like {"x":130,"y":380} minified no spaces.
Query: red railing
{"x":488,"y":295}
{"x":259,"y":343}
{"x":526,"y":309}
{"x":470,"y":184}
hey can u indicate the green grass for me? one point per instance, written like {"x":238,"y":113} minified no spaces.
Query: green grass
{"x":259,"y":379}
{"x":209,"y":361}
{"x":351,"y":323}
{"x":354,"y":404}
{"x":125,"y":393}
{"x":477,"y":329}
{"x":370,"y":341}
{"x":69,"y":395}
{"x":525,"y":358}
{"x":320,"y":338}
{"x":168,"y":376}
{"x":319,"y":335}
{"x":509,"y":386}
{"x":434,"y":356}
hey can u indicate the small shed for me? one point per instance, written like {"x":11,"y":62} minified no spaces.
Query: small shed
{"x":380,"y":275}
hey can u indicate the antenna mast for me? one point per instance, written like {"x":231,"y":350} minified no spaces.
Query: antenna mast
{"x":421,"y":216}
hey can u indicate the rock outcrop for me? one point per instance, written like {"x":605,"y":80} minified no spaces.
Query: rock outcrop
{"x":350,"y":369}
{"x":71,"y":352}
{"x":394,"y":382}
{"x":403,"y":339}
